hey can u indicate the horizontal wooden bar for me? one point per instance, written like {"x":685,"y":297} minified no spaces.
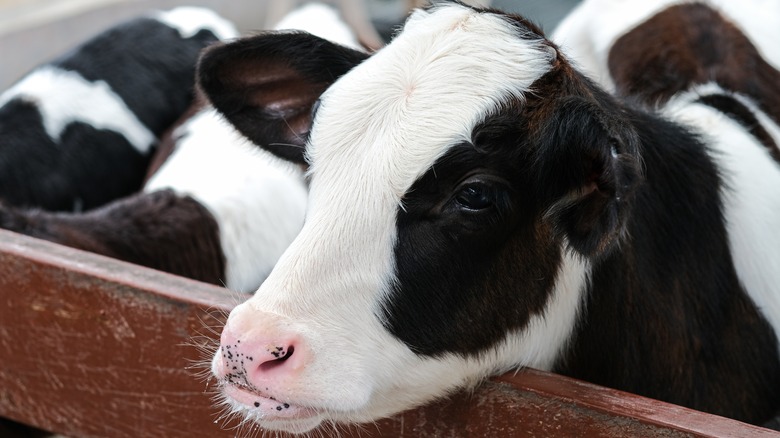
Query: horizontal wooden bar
{"x":94,"y":347}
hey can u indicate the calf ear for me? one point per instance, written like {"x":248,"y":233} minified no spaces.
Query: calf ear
{"x":588,"y":169}
{"x":266,"y":85}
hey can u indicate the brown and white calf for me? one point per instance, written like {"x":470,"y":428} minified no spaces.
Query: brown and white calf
{"x":607,"y":38}
{"x":477,"y":205}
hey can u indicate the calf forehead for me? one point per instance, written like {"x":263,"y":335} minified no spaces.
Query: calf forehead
{"x":390,"y":118}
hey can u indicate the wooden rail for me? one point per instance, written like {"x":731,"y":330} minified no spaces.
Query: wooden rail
{"x":93,"y":347}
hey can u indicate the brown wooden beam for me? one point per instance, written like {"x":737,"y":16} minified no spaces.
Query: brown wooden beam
{"x":94,"y":347}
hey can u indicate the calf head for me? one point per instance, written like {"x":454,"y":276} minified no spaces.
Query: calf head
{"x":462,"y":180}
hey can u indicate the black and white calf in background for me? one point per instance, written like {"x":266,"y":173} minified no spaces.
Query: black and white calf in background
{"x":79,"y":131}
{"x":217,"y":210}
{"x":257,"y":201}
{"x":477,"y":204}
{"x":214,"y":208}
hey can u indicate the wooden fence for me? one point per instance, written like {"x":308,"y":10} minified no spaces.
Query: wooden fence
{"x":94,"y":347}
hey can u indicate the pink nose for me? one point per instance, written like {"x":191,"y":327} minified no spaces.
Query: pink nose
{"x":256,"y":352}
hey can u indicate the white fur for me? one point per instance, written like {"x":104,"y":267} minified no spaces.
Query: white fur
{"x":750,"y":193}
{"x":64,"y":97}
{"x":258,"y":200}
{"x":379,"y":128}
{"x":189,"y":20}
{"x":351,"y":13}
{"x":587,"y":34}
{"x":320,"y":20}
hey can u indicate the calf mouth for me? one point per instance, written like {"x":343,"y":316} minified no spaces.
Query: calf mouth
{"x":267,"y":411}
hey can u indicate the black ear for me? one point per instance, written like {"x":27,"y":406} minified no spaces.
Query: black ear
{"x":588,"y":167}
{"x":266,"y":85}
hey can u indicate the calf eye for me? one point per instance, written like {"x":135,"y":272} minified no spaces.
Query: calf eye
{"x":475,"y":196}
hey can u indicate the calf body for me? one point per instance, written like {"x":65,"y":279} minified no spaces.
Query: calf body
{"x":588,"y":36}
{"x":213,"y":207}
{"x":477,"y":205}
{"x":79,"y":131}
{"x":161,"y":230}
{"x":216,"y":210}
{"x":257,"y":201}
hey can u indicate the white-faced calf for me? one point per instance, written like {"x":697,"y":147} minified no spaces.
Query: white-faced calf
{"x":478,"y":205}
{"x":78,"y":132}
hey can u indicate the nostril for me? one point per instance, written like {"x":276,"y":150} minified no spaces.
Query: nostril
{"x":280,"y":356}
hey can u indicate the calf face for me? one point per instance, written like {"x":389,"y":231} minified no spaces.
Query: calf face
{"x":460,"y":180}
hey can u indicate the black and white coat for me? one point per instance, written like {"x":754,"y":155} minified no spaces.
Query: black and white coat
{"x":79,"y":131}
{"x":477,"y":204}
{"x":214,"y":207}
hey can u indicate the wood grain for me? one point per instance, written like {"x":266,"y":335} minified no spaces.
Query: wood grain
{"x":93,"y":347}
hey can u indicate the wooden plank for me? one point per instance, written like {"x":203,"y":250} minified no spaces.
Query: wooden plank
{"x":600,"y":401}
{"x":93,"y":347}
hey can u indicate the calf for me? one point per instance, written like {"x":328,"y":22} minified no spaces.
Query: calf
{"x":257,"y":201}
{"x":690,"y":59}
{"x":355,"y":17}
{"x":588,"y":36}
{"x":213,"y":207}
{"x":478,"y":205}
{"x":215,"y":211}
{"x":79,"y":131}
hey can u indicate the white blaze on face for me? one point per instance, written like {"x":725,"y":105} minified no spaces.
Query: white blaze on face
{"x":378,"y":129}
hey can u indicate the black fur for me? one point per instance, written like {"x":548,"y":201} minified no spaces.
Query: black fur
{"x":733,"y":108}
{"x":454,"y":266}
{"x":160,"y":230}
{"x":86,"y":168}
{"x":148,"y":64}
{"x":666,"y":316}
{"x":151,"y":68}
{"x":465,"y":278}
